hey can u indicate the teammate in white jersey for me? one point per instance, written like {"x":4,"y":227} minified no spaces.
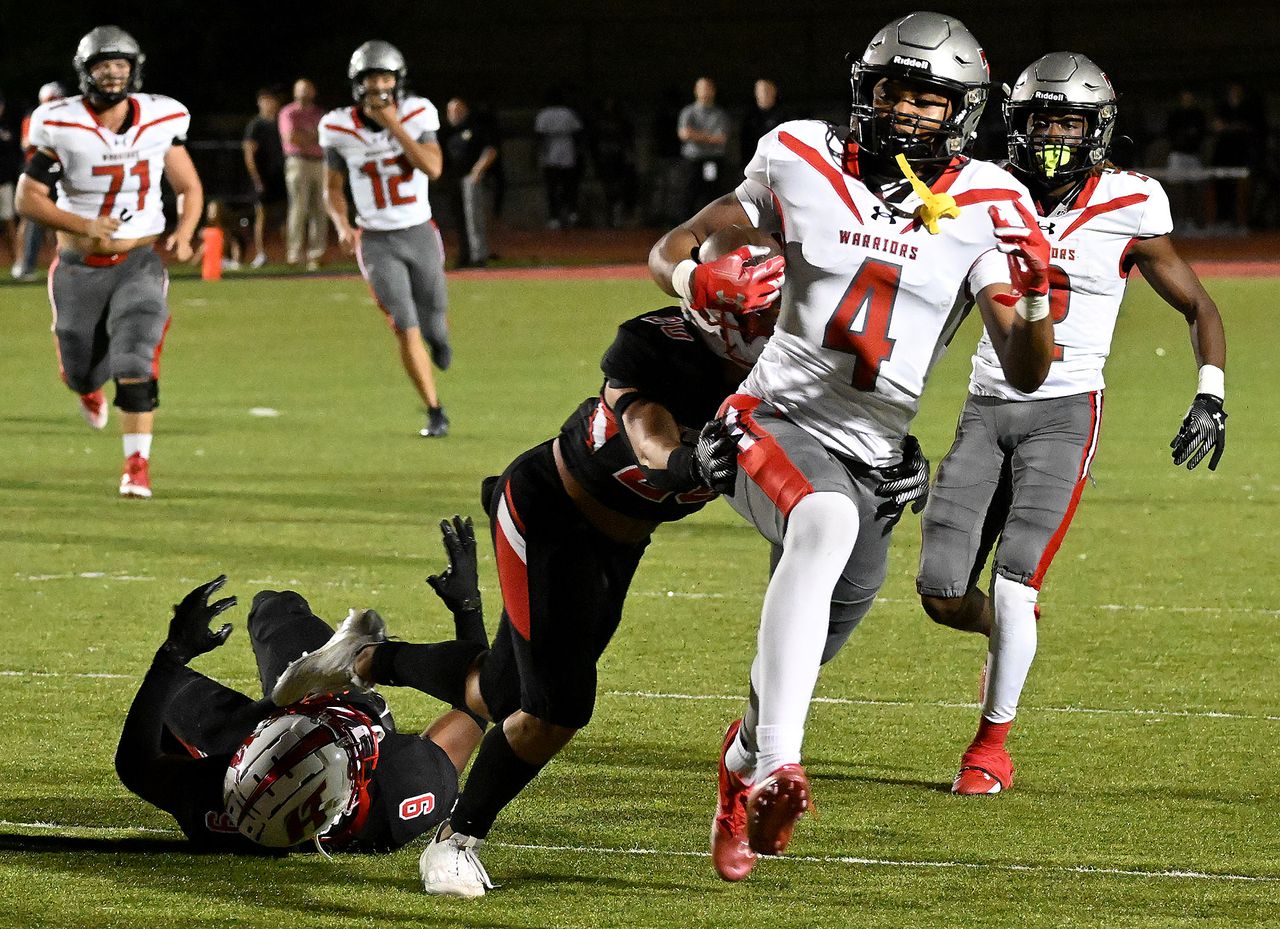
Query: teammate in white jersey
{"x":385,"y":147}
{"x":105,"y":152}
{"x":877,"y":262}
{"x":1020,"y":461}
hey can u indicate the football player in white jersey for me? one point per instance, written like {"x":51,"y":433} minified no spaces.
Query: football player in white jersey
{"x":105,"y":152}
{"x":884,"y":232}
{"x":386,"y":147}
{"x":1020,"y":460}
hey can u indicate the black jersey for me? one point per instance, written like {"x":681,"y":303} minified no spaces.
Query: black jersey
{"x":662,"y":356}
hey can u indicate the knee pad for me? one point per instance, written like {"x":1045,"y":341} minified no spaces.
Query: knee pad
{"x":140,"y":397}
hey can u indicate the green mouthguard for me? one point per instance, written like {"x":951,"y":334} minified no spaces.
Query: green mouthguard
{"x":1053,"y":157}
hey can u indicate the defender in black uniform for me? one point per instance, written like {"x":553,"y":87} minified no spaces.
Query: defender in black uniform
{"x":184,"y":728}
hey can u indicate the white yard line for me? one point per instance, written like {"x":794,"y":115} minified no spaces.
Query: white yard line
{"x":1172,"y":873}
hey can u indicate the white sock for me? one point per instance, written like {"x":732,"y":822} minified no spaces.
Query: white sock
{"x":1013,"y":646}
{"x":821,"y":532}
{"x":739,"y":757}
{"x":137,"y":443}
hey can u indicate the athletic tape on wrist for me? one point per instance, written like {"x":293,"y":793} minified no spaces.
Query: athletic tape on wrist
{"x":1213,"y":381}
{"x":682,"y":277}
{"x":1032,"y":307}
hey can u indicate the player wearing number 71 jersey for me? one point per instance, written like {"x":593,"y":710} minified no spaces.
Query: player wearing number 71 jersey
{"x":385,"y":147}
{"x":884,"y":231}
{"x":1019,"y":462}
{"x":105,"y":152}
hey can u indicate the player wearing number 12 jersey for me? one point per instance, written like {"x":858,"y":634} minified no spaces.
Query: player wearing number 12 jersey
{"x":385,"y":147}
{"x":1019,"y":462}
{"x":105,"y":152}
{"x":883,"y":231}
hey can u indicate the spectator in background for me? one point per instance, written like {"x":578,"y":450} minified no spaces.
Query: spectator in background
{"x":557,"y":127}
{"x":613,"y":142}
{"x":703,"y":128}
{"x":10,"y":163}
{"x":264,"y":160}
{"x":1185,"y":133}
{"x":1240,"y":129}
{"x":304,"y":176}
{"x":30,"y":232}
{"x":470,"y":150}
{"x":762,"y":118}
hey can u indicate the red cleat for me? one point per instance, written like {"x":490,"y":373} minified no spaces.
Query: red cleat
{"x":984,"y":770}
{"x":730,"y":853}
{"x":774,"y":806}
{"x":135,"y":481}
{"x":93,"y":407}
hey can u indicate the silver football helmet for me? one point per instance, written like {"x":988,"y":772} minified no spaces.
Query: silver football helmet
{"x":929,"y":49}
{"x":1066,"y":83}
{"x":376,"y":55}
{"x":103,"y":43}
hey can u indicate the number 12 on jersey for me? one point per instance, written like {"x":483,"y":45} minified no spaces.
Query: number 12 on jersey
{"x":860,"y":324}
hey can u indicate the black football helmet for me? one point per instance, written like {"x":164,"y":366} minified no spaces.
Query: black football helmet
{"x":101,"y":44}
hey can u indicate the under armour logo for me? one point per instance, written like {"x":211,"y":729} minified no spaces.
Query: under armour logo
{"x":1047,"y":228}
{"x":881,"y":213}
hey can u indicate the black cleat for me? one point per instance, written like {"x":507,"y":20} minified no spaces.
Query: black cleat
{"x":437,"y":423}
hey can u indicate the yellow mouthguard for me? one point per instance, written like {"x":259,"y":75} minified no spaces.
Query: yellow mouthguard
{"x":1053,"y":157}
{"x":935,"y":206}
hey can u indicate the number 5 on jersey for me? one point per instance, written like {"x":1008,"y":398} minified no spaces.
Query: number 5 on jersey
{"x":860,"y":324}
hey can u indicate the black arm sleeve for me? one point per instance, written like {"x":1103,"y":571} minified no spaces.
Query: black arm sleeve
{"x":44,"y":168}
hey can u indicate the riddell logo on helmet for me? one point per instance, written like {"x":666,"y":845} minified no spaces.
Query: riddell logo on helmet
{"x":1048,"y":95}
{"x":912,"y":62}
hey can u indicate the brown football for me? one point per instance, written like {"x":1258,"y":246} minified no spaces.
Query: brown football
{"x":730,"y":238}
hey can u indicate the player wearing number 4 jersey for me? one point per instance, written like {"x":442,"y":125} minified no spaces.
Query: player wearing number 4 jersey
{"x":1019,"y":462}
{"x":385,"y":147}
{"x":105,"y":152}
{"x":883,"y":230}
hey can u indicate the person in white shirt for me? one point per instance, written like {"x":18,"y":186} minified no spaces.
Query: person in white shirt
{"x":884,"y":230}
{"x":1021,"y":460}
{"x":105,"y":153}
{"x":558,"y":127}
{"x":386,"y":147}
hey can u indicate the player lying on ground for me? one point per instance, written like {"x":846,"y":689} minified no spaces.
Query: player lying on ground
{"x":571,"y":519}
{"x":102,"y":156}
{"x":246,"y":775}
{"x":885,"y":225}
{"x":1020,"y":460}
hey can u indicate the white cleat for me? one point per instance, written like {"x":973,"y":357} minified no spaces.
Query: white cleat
{"x":451,"y":868}
{"x":330,"y":667}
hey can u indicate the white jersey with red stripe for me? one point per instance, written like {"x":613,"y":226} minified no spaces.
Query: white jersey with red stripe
{"x":103,"y":173}
{"x":1089,"y":236}
{"x":871,"y":297}
{"x":389,"y":192}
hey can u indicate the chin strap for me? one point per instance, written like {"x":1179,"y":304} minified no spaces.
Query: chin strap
{"x":935,"y":206}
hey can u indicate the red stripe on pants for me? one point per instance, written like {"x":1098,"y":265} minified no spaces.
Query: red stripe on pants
{"x":1091,"y":446}
{"x":764,"y":459}
{"x":513,"y":576}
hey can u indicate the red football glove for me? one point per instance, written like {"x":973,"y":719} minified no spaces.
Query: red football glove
{"x":1027,"y":251}
{"x":730,"y":283}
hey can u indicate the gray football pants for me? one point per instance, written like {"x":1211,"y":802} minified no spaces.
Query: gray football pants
{"x":405,"y":271}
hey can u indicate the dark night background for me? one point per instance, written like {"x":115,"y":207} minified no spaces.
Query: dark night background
{"x":213,"y":56}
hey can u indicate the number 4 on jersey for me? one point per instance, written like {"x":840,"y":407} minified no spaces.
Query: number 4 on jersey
{"x":860,"y":324}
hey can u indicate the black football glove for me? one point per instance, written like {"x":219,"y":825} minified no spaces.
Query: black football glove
{"x":189,"y":632}
{"x":459,"y":584}
{"x":715,"y":457}
{"x":905,"y":482}
{"x":1203,"y":429}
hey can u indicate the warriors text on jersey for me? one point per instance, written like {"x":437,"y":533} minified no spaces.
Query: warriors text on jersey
{"x":1089,"y":236}
{"x":389,"y":192}
{"x":871,"y":297}
{"x":105,"y":173}
{"x":662,"y":356}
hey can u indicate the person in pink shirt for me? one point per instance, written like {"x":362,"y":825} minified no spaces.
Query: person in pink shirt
{"x":304,"y":174}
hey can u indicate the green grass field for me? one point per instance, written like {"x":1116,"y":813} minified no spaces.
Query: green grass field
{"x":1147,"y":747}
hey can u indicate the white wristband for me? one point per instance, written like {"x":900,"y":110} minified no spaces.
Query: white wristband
{"x":681,"y":277}
{"x":1213,"y":381}
{"x":1032,"y":307}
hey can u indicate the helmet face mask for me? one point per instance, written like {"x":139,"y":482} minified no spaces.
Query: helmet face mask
{"x":918,"y":57}
{"x":1059,"y":116}
{"x":103,"y":45}
{"x":376,"y":58}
